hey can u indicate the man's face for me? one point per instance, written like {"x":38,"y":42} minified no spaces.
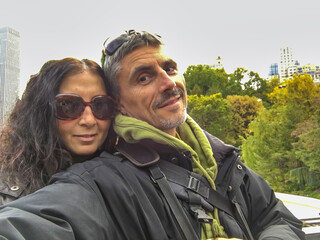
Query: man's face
{"x":151,"y":89}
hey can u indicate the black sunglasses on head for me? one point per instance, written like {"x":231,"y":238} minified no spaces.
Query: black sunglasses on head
{"x":111,"y":45}
{"x":71,"y":106}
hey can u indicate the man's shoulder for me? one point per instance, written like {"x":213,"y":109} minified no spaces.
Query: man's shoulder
{"x":219,"y":148}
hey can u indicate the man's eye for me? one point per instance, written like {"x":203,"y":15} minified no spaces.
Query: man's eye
{"x":171,"y":70}
{"x":144,"y":79}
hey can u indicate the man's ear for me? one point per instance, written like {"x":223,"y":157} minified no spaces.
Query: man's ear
{"x":122,"y":109}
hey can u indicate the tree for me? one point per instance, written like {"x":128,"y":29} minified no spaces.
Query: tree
{"x":267,"y":150}
{"x":307,"y":146}
{"x":244,"y":110}
{"x":272,"y":83}
{"x":284,"y":137}
{"x":234,"y":86}
{"x":256,"y":86}
{"x":212,"y":113}
{"x":299,"y":90}
{"x":209,"y":80}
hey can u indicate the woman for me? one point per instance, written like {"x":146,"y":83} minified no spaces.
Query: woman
{"x":63,"y":118}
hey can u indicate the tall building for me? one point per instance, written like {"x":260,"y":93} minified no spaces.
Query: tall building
{"x":9,"y":70}
{"x":286,"y":61}
{"x":289,"y":67}
{"x":273,"y":71}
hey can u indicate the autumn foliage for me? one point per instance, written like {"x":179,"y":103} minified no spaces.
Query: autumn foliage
{"x":276,"y":124}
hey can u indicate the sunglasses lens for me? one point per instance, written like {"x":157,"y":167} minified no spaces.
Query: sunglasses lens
{"x":102,"y":107}
{"x":114,"y":44}
{"x":68,"y":107}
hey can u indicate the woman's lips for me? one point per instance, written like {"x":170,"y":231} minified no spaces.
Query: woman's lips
{"x":86,"y":137}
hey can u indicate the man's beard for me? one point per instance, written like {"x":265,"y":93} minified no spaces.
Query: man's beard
{"x":166,"y":124}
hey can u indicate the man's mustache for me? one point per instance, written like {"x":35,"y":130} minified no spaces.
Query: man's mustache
{"x":167,"y":95}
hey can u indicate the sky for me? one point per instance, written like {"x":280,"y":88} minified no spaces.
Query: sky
{"x":245,"y":33}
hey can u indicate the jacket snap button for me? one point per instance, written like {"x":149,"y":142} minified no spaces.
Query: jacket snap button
{"x":229,"y":188}
{"x":174,"y":160}
{"x":14,"y":188}
{"x":239,"y":167}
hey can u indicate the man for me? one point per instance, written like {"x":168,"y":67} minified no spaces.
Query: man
{"x":148,"y":87}
{"x":169,"y":178}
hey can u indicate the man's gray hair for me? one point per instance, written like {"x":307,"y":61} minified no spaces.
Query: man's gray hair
{"x":111,"y":61}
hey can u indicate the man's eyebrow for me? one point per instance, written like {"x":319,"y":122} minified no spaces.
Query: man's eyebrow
{"x":169,"y":62}
{"x":140,"y":69}
{"x":146,"y":68}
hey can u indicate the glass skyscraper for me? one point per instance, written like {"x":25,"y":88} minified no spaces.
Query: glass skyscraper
{"x":9,"y":70}
{"x":273,"y":70}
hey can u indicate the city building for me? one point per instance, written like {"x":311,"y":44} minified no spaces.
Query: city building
{"x":289,"y":67}
{"x":286,"y":61}
{"x":311,"y":69}
{"x":273,"y":71}
{"x":9,"y":70}
{"x":218,"y":63}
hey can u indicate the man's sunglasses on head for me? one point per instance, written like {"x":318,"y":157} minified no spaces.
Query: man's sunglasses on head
{"x":111,"y":45}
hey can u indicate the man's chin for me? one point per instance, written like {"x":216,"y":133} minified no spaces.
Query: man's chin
{"x":171,"y":123}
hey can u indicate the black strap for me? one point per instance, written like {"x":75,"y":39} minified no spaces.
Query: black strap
{"x":176,"y":208}
{"x":195,"y":205}
{"x":197,"y":184}
{"x":244,"y":221}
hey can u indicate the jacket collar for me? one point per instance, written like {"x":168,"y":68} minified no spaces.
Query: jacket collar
{"x":220,"y":149}
{"x":193,"y":139}
{"x":140,"y":155}
{"x":147,"y":152}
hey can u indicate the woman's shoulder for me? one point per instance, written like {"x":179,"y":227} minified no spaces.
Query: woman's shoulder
{"x":82,"y":172}
{"x":10,"y":191}
{"x":104,"y":158}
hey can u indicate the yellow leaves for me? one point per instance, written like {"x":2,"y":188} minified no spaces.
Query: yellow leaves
{"x":299,"y":90}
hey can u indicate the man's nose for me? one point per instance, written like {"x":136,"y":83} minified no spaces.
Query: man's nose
{"x":166,"y":82}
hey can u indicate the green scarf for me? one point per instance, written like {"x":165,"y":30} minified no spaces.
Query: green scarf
{"x":193,"y":139}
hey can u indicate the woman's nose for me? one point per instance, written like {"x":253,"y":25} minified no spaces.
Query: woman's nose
{"x":87,"y":117}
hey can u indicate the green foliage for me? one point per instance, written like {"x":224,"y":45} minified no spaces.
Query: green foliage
{"x":209,"y":80}
{"x":212,"y":113}
{"x":233,"y":85}
{"x":299,"y":90}
{"x":302,"y":177}
{"x":278,"y":138}
{"x":204,"y":80}
{"x":244,"y":110}
{"x":267,"y":149}
{"x":286,"y":137}
{"x":272,"y":83}
{"x":256,"y":86}
{"x":307,"y":144}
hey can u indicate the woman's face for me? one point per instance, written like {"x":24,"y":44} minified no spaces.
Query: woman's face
{"x":84,"y":135}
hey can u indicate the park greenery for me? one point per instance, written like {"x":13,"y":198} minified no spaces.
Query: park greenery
{"x":275,"y":124}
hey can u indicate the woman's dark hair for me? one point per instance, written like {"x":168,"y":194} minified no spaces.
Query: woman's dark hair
{"x":30,"y":147}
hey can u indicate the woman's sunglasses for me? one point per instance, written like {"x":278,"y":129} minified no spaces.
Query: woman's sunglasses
{"x":71,"y":106}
